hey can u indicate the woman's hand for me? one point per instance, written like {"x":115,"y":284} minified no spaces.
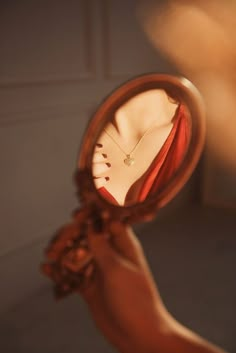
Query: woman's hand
{"x":100,"y":167}
{"x":124,"y":301}
{"x":118,"y":287}
{"x":121,"y":293}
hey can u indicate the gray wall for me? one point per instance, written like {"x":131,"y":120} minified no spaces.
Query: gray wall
{"x":58,"y":60}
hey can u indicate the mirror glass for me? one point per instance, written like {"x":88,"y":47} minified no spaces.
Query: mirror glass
{"x":141,"y":147}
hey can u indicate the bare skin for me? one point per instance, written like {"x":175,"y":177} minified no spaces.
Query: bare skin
{"x":124,"y":300}
{"x":148,"y":116}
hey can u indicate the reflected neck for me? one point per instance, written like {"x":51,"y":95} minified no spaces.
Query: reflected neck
{"x":146,"y":110}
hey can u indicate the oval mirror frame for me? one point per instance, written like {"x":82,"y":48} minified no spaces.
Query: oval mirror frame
{"x":178,"y":87}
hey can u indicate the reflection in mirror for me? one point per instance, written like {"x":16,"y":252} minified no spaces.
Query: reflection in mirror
{"x":141,"y":147}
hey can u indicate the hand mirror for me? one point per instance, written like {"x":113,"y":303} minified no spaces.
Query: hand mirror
{"x":141,"y":146}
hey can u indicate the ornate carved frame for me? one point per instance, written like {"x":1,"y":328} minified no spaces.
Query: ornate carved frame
{"x":177,"y":87}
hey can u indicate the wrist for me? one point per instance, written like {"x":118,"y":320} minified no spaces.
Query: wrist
{"x":152,"y":333}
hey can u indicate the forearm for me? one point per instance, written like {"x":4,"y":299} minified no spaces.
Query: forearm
{"x":177,"y":338}
{"x":169,"y":336}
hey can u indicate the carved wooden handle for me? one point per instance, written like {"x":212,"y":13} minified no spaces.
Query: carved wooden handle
{"x":68,"y":259}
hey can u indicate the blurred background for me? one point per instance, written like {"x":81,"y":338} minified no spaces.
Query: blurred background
{"x":58,"y":60}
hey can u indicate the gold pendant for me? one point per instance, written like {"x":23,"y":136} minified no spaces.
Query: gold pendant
{"x":128,"y":160}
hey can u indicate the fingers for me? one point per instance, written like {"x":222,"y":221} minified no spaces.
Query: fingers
{"x":101,"y":182}
{"x":99,"y":156}
{"x":117,"y":244}
{"x":100,"y":164}
{"x":104,"y":254}
{"x":101,"y":167}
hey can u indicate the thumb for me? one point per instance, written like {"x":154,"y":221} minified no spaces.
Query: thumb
{"x":103,"y":253}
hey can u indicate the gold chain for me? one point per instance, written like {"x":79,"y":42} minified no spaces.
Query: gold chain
{"x":128,"y":160}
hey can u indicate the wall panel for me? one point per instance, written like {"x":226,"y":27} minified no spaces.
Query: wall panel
{"x":127,"y":51}
{"x":39,"y":45}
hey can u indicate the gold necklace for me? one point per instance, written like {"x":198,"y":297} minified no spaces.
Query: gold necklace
{"x":129,"y":161}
